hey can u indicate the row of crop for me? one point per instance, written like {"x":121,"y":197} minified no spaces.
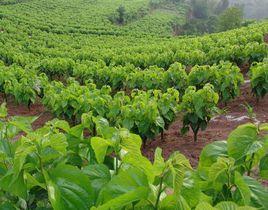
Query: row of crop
{"x":259,"y":78}
{"x":56,"y":167}
{"x":147,"y":113}
{"x":243,"y":45}
{"x":250,"y":52}
{"x":144,"y":112}
{"x":225,"y":77}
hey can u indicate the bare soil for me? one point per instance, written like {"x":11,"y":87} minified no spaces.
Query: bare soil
{"x":36,"y":109}
{"x":219,"y":128}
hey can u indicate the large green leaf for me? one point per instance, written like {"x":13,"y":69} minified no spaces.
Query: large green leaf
{"x":264,"y":167}
{"x":259,"y":194}
{"x":25,"y":148}
{"x":172,"y":202}
{"x":128,"y":186}
{"x":131,"y":143}
{"x":123,"y":200}
{"x":218,"y":173}
{"x":211,"y":152}
{"x":138,"y":161}
{"x":99,"y":175}
{"x":22,"y":123}
{"x":159,"y":162}
{"x":3,"y":110}
{"x":7,"y":206}
{"x":177,"y":165}
{"x":243,"y":189}
{"x":57,"y":142}
{"x":228,"y":205}
{"x":69,"y":188}
{"x":204,"y":206}
{"x":190,"y":189}
{"x":209,"y":155}
{"x":240,"y":141}
{"x":225,"y":205}
{"x":99,"y":146}
{"x":14,"y":184}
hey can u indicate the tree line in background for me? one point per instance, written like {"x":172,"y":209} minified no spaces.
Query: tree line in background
{"x":208,"y":16}
{"x":203,"y":16}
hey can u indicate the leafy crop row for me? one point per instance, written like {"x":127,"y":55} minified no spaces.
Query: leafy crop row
{"x":259,"y":78}
{"x":146,"y":113}
{"x":57,"y":167}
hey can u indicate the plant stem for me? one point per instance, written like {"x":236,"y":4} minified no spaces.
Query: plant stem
{"x":162,"y":135}
{"x":116,"y":165}
{"x":250,"y":164}
{"x":159,"y":193}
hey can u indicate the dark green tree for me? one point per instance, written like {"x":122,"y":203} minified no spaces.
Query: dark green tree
{"x":121,"y":14}
{"x":231,"y":18}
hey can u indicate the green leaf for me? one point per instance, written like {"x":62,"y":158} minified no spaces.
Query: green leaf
{"x":191,"y":190}
{"x":172,"y":202}
{"x":204,"y":206}
{"x":159,"y":162}
{"x":23,"y":150}
{"x":7,"y":206}
{"x":240,"y":141}
{"x":68,"y":188}
{"x":3,"y":110}
{"x":263,"y":127}
{"x":57,"y":142}
{"x":126,"y":187}
{"x":138,"y":161}
{"x":99,"y":146}
{"x":218,"y":172}
{"x":14,"y":184}
{"x":243,"y":189}
{"x":264,"y":167}
{"x":131,"y":143}
{"x":160,"y":122}
{"x":98,"y":174}
{"x":226,"y":205}
{"x":62,"y":124}
{"x":117,"y":203}
{"x":211,"y":152}
{"x":259,"y":194}
{"x":22,"y":123}
{"x":177,"y":164}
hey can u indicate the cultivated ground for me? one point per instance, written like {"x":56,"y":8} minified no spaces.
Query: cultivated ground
{"x":218,"y":129}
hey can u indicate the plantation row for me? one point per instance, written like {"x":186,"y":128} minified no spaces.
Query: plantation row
{"x":146,"y":113}
{"x":57,"y":167}
{"x":93,"y":17}
{"x":36,"y":49}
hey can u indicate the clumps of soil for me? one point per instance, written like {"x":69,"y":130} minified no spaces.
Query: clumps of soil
{"x":36,"y":109}
{"x":219,"y":128}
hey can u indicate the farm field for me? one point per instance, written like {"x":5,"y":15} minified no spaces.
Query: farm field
{"x":103,"y":106}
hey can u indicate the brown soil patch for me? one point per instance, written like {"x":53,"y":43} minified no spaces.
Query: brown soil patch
{"x":36,"y":109}
{"x":266,"y":38}
{"x":218,"y":129}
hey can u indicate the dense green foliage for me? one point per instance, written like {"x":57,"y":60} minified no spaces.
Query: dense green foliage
{"x":231,"y":18}
{"x":114,"y":71}
{"x":259,"y":78}
{"x":57,"y":167}
{"x":198,"y":107}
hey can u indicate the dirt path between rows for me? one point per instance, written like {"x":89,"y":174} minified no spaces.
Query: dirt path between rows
{"x":218,"y":129}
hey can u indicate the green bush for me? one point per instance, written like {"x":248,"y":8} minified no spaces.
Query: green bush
{"x":198,"y":107}
{"x":231,"y":18}
{"x":259,"y":78}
